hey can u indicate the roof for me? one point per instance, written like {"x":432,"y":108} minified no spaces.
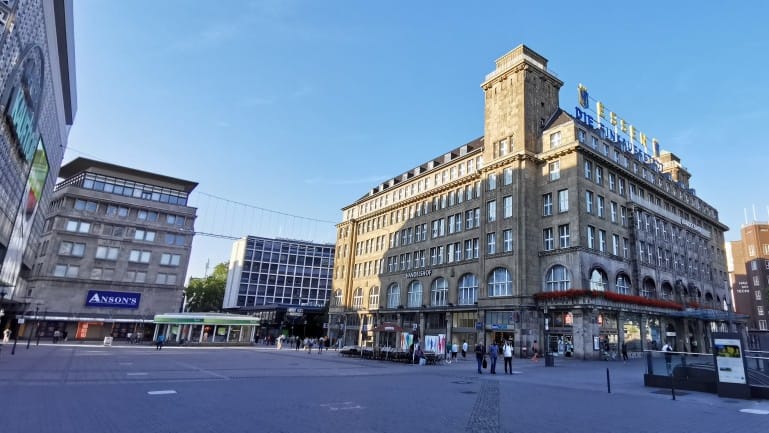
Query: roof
{"x":558,"y":118}
{"x":79,"y":165}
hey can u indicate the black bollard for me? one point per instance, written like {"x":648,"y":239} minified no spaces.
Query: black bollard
{"x":672,"y":387}
{"x":608,"y":381}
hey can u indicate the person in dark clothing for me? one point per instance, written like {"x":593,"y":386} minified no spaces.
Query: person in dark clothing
{"x":624,"y":351}
{"x":479,"y":353}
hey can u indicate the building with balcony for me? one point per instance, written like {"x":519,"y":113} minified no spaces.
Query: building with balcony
{"x":286,"y":283}
{"x":38,"y":102}
{"x":114,"y":251}
{"x":554,"y":227}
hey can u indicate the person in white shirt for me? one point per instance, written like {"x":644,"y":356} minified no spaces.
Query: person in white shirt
{"x":454,"y":350}
{"x":464,"y":349}
{"x":507,"y":352}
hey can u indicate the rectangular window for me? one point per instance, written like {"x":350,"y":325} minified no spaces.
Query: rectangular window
{"x":588,"y":170}
{"x":602,"y":240}
{"x":468,"y":249}
{"x":554,"y":168}
{"x":547,"y":204}
{"x":581,"y":136}
{"x":491,"y":243}
{"x":138,"y":256}
{"x":623,"y":216}
{"x":762,"y":325}
{"x":170,"y":259}
{"x":68,"y":271}
{"x":621,"y":186}
{"x":78,"y":226}
{"x":590,"y":237}
{"x":71,"y":249}
{"x":475,"y":248}
{"x":626,"y":248}
{"x":86,"y":205}
{"x":507,"y":206}
{"x":563,"y":200}
{"x":547,"y":235}
{"x":563,"y":236}
{"x":491,"y":210}
{"x":599,"y":206}
{"x":492,"y":181}
{"x":599,"y":175}
{"x":144,"y":235}
{"x":507,"y":240}
{"x":107,"y":253}
{"x":615,"y":245}
{"x":760,"y":310}
{"x":555,"y":139}
{"x":612,"y":181}
{"x":613,"y":211}
{"x":507,"y":175}
{"x":589,"y":201}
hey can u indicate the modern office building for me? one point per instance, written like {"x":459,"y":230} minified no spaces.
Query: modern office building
{"x":284,"y":282}
{"x":114,"y":251}
{"x":553,"y":227}
{"x":38,"y":102}
{"x":749,"y":275}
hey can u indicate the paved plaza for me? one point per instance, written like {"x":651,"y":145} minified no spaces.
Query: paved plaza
{"x":81,"y":388}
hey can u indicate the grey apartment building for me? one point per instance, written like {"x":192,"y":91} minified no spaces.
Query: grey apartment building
{"x":565,"y":228}
{"x":114,"y":251}
{"x":38,"y":103}
{"x":281,"y":281}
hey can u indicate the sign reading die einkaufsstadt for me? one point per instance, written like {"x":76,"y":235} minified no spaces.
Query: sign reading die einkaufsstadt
{"x":101,"y":298}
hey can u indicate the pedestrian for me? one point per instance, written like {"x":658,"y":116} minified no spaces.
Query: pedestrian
{"x":464,"y":349}
{"x":298,"y":342}
{"x":454,"y":351}
{"x":535,"y":351}
{"x":320,"y":345}
{"x":624,"y":351}
{"x":668,"y":357}
{"x":507,"y":352}
{"x":129,"y":336}
{"x":56,"y":336}
{"x":479,"y":356}
{"x":6,"y":335}
{"x":493,"y":354}
{"x":159,"y":342}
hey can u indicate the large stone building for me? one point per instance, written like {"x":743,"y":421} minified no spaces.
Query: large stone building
{"x":114,"y":251}
{"x":38,"y":104}
{"x":551,"y":227}
{"x":749,"y":276}
{"x":284,"y":282}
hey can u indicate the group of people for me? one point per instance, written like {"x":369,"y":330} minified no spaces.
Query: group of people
{"x":506,"y":350}
{"x":310,"y":343}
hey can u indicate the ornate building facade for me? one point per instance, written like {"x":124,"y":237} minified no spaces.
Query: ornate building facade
{"x":554,"y":229}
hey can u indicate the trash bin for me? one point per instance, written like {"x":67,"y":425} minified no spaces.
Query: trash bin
{"x":549,"y":360}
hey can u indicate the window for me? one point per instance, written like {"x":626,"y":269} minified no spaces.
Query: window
{"x":623,"y":284}
{"x":138,"y":256}
{"x":492,"y":181}
{"x":613,"y":211}
{"x":588,"y":170}
{"x":165,"y":278}
{"x":554,"y":168}
{"x":415,"y":294}
{"x":500,"y":283}
{"x":174,"y":239}
{"x":373,"y":298}
{"x":135,"y":276}
{"x":337,"y":299}
{"x":71,"y":249}
{"x":563,"y":200}
{"x":758,"y":295}
{"x":599,"y":175}
{"x":547,"y":204}
{"x":107,"y":253}
{"x":78,"y":226}
{"x":170,"y":259}
{"x":621,"y":186}
{"x":147,"y":215}
{"x":69,"y":271}
{"x":751,"y":250}
{"x":144,"y":235}
{"x":555,"y":139}
{"x":467,"y":289}
{"x":357,"y":298}
{"x":563,"y":236}
{"x":762,"y":325}
{"x":590,"y":237}
{"x":86,"y":205}
{"x":393,"y":295}
{"x":507,"y":176}
{"x":439,"y":292}
{"x":589,"y":201}
{"x":507,"y":240}
{"x":599,"y":206}
{"x":602,"y":240}
{"x":612,"y":181}
{"x":557,"y":279}
{"x":491,"y":210}
{"x":507,"y":206}
{"x":598,"y":280}
{"x":581,"y":136}
{"x":760,"y":310}
{"x":547,"y":236}
{"x":615,"y":245}
{"x":491,"y":243}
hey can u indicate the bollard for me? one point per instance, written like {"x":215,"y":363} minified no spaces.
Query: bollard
{"x":608,"y":381}
{"x":672,"y":387}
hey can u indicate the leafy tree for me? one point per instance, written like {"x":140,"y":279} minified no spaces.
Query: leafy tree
{"x":207,"y":294}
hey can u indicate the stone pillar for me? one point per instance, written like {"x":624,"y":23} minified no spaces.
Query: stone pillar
{"x":481,"y":334}
{"x":644,"y":331}
{"x":580,"y":339}
{"x":449,"y":328}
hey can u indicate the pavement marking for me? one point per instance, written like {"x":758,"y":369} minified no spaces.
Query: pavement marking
{"x":137,"y":374}
{"x":162,"y":392}
{"x":126,"y":363}
{"x":755,"y":411}
{"x":346,"y":405}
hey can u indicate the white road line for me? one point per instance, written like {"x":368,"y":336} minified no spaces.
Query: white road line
{"x":162,"y":392}
{"x":755,"y":411}
{"x":137,"y":374}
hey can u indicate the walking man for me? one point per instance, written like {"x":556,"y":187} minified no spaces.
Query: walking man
{"x":479,"y":353}
{"x":159,"y":343}
{"x":464,"y":349}
{"x":507,"y":352}
{"x":493,"y":354}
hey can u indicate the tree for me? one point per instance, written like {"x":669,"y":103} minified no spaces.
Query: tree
{"x":207,"y":294}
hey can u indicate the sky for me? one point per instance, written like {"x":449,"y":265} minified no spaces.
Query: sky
{"x":301,"y":107}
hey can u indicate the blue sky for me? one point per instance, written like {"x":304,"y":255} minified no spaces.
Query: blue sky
{"x":303,"y":106}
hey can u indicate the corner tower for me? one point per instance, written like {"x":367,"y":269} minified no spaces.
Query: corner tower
{"x":521,"y":96}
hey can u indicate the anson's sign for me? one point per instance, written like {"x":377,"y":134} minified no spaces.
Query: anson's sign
{"x":101,"y":298}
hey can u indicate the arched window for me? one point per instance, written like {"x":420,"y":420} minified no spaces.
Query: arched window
{"x":357,"y":298}
{"x":598,"y":280}
{"x":439,"y":291}
{"x":373,"y":298}
{"x":500,"y":283}
{"x":623,"y":284}
{"x":415,"y":294}
{"x":667,"y":291}
{"x":648,"y":290}
{"x":709,"y":297}
{"x":467,"y":289}
{"x":338,"y":297}
{"x":393,"y":295}
{"x":557,"y":279}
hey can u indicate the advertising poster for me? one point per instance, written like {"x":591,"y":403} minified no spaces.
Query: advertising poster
{"x":431,"y":343}
{"x":441,"y":343}
{"x":729,"y":362}
{"x":405,"y":340}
